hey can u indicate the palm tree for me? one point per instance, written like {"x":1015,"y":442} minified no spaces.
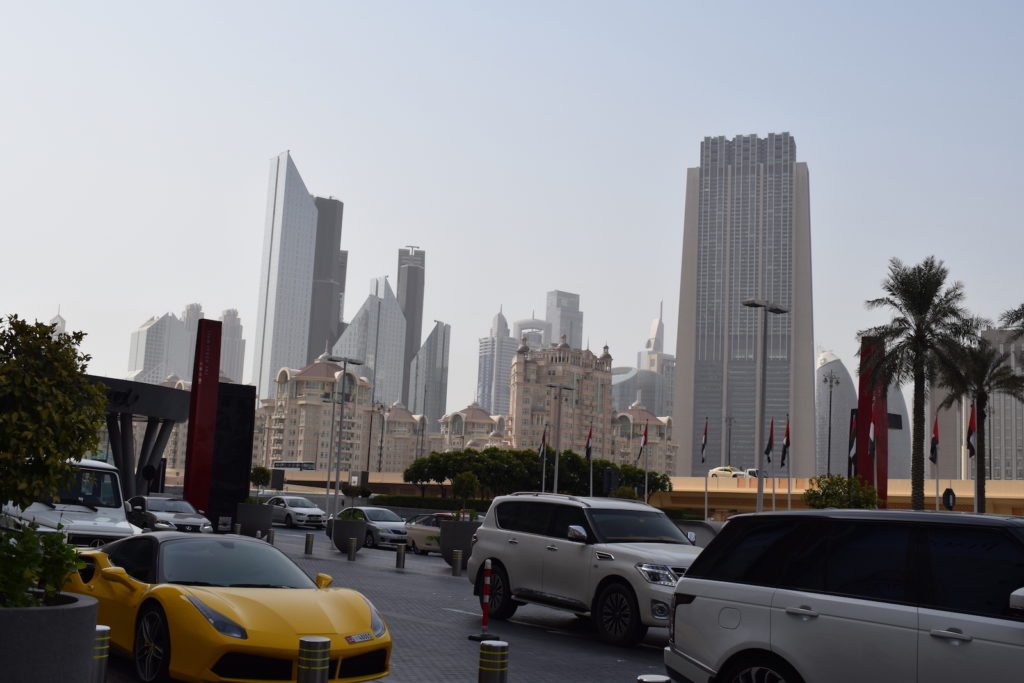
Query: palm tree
{"x":978,"y":370}
{"x":1014,"y":320}
{"x":928,"y":318}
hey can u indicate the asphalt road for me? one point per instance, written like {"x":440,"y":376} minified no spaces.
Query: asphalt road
{"x":431,"y":615}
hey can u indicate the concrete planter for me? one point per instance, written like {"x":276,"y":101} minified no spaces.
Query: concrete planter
{"x":51,"y":644}
{"x":255,"y":518}
{"x":457,"y":536}
{"x":343,"y":529}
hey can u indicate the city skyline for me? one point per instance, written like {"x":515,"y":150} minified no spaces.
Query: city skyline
{"x":521,"y":171}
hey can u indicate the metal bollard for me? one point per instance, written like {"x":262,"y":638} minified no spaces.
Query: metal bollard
{"x":493,"y":662}
{"x":456,"y":563}
{"x":314,"y":659}
{"x":653,"y":678}
{"x":309,"y":544}
{"x":238,"y":528}
{"x":353,"y":546}
{"x":399,"y":557}
{"x":485,"y":607}
{"x":100,"y":650}
{"x":270,"y":536}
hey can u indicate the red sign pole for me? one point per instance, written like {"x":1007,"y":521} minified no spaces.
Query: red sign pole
{"x":202,"y":415}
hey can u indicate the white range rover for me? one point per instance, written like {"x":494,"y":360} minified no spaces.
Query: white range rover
{"x":615,"y":560}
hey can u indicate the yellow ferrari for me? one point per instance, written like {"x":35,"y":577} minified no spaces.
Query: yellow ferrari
{"x":225,"y":608}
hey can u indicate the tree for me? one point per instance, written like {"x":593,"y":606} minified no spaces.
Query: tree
{"x":978,"y":370}
{"x":417,"y":474}
{"x":1014,"y":319}
{"x":928,"y":318}
{"x":50,"y":417}
{"x":465,"y":486}
{"x":839,"y":491}
{"x":259,"y":477}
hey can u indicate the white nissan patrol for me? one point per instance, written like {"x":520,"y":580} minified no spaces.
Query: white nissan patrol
{"x":615,"y":560}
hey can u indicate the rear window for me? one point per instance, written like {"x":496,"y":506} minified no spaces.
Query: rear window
{"x":750,"y":550}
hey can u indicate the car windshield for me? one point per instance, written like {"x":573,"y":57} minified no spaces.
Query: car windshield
{"x":92,"y":488}
{"x":636,"y":526}
{"x":165,"y":505}
{"x":299,"y":503}
{"x":210,"y":561}
{"x":381,"y":515}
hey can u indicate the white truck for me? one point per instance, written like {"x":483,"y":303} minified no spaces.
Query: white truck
{"x":90,"y":509}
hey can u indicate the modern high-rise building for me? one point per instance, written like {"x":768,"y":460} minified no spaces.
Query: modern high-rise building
{"x":232,"y":345}
{"x":411,"y":279}
{"x":428,"y":377}
{"x":835,"y":394}
{"x":650,"y":383}
{"x":60,"y":325}
{"x":534,"y":332}
{"x":190,"y":318}
{"x":494,"y":367}
{"x":376,"y":336}
{"x":301,"y":277}
{"x":158,"y":350}
{"x":565,"y":318}
{"x":746,"y":238}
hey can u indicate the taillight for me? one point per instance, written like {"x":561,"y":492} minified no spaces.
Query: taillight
{"x":677,"y":599}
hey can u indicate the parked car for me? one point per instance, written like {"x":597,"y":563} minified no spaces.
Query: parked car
{"x":614,"y":560}
{"x":853,"y":595}
{"x":727,"y":471}
{"x":383,"y":527}
{"x":295,"y":511}
{"x":166,"y":514}
{"x":423,"y":532}
{"x":197,"y":607}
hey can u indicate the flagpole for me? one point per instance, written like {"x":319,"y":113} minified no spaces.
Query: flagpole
{"x":789,"y":486}
{"x":707,"y":475}
{"x":772,"y":465}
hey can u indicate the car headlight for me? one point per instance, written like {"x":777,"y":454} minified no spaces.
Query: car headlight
{"x":377,"y":624}
{"x":658,"y":573}
{"x":160,"y":524}
{"x":206,"y":528}
{"x":220,"y":622}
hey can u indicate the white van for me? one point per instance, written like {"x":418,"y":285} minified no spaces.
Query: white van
{"x":90,"y":509}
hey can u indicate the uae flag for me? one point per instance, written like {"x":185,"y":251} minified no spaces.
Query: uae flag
{"x":971,"y":427}
{"x":704,"y":440}
{"x":934,"y":455}
{"x":785,"y":445}
{"x":643,"y":443}
{"x":543,"y":450}
{"x":590,"y":435}
{"x":771,"y":440}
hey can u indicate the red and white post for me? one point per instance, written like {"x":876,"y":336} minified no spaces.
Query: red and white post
{"x":485,"y":605}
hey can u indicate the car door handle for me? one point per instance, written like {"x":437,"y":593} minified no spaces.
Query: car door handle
{"x":513,"y":541}
{"x":550,"y":547}
{"x":951,"y":634}
{"x":802,"y":611}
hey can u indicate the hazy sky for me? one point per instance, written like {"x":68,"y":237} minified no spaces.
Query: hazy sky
{"x":526,"y":146}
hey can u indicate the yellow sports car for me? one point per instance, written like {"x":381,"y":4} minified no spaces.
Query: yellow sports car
{"x":225,"y":608}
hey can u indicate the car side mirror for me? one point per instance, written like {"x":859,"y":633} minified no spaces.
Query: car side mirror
{"x":691,"y":537}
{"x":202,"y":512}
{"x":1017,"y":599}
{"x":136,"y":508}
{"x":118,"y":575}
{"x":323,"y":580}
{"x":577,"y":533}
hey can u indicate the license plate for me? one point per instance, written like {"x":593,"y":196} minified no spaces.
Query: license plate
{"x":358,"y":638}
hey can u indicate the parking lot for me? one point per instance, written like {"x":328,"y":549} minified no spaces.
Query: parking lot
{"x":432,"y":614}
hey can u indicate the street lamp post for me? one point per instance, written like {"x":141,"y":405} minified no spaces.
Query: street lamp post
{"x":766,"y":308}
{"x":558,"y":431}
{"x":345,"y":362}
{"x":831,"y":380}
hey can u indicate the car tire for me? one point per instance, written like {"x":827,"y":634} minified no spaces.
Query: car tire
{"x":502,"y":606}
{"x":617,"y":615}
{"x":764,"y":668}
{"x":152,"y":649}
{"x":368,"y":542}
{"x":417,"y":550}
{"x":288,"y":522}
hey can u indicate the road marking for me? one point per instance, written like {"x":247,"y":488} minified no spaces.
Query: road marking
{"x":461,"y":611}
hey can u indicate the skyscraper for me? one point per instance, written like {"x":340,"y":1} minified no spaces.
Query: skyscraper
{"x":428,"y":377}
{"x":565,"y":318}
{"x":411,"y":278}
{"x":376,"y":336}
{"x":746,"y":235}
{"x":232,"y":345}
{"x":494,"y":367}
{"x":301,"y":277}
{"x":158,"y":350}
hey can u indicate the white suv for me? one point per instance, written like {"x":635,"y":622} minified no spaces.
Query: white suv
{"x":853,"y":595}
{"x":612,"y":559}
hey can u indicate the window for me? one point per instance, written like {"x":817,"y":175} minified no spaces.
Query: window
{"x":136,"y":557}
{"x":753,"y":551}
{"x":525,"y":516}
{"x":973,"y":570}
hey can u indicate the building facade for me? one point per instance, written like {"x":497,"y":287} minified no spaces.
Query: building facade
{"x":565,"y":317}
{"x":658,"y":454}
{"x":232,"y":346}
{"x":472,"y":427}
{"x":746,"y":238}
{"x":300,"y":296}
{"x":412,"y":262}
{"x":428,"y":376}
{"x":494,"y":367}
{"x":651,"y":382}
{"x":534,"y":332}
{"x":564,"y":392}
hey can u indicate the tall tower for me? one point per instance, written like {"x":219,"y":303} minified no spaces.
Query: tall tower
{"x":494,"y":367}
{"x":375,"y":336}
{"x":746,"y":235}
{"x":411,"y":271}
{"x":565,"y":318}
{"x":232,"y":345}
{"x":302,"y":277}
{"x":428,"y":377}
